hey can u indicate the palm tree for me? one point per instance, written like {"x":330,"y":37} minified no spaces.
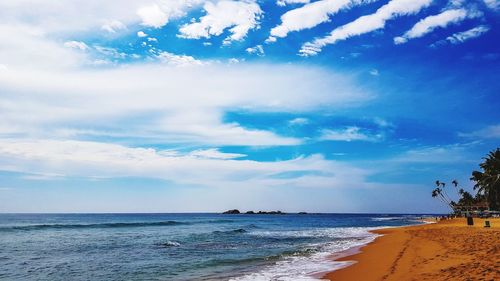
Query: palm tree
{"x":455,"y":184}
{"x":438,"y":193}
{"x":443,"y":191}
{"x":488,"y":181}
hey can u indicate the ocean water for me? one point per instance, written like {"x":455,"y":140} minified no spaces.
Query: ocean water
{"x":180,"y":246}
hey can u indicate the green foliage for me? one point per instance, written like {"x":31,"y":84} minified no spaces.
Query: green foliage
{"x":488,"y":180}
{"x":487,"y":185}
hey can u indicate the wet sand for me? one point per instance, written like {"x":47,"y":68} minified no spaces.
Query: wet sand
{"x":448,"y":250}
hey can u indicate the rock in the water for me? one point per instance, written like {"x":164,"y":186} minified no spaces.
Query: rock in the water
{"x":250,"y":213}
{"x":271,"y":213}
{"x":231,"y":212}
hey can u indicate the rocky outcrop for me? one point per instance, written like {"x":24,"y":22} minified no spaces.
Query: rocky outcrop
{"x":236,"y":211}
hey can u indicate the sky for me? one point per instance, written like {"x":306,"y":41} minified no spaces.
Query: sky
{"x":203,"y":106}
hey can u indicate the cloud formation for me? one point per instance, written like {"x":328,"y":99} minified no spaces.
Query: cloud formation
{"x":472,"y":33}
{"x":167,"y":103}
{"x":310,"y":15}
{"x":365,"y":24}
{"x":201,"y":167}
{"x":430,"y":23}
{"x":152,"y":16}
{"x":237,"y":16}
{"x":348,"y":134}
{"x":283,"y":3}
{"x":257,"y":50}
{"x":490,"y":132}
{"x":158,"y":14}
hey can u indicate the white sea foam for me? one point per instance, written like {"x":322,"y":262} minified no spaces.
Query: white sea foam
{"x":305,"y":268}
{"x":388,"y":218}
{"x":171,"y":244}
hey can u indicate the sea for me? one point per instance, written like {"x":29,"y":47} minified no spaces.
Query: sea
{"x":181,"y":246}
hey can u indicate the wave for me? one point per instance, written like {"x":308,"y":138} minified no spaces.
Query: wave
{"x":403,"y":218}
{"x":92,"y":225}
{"x":170,"y":244}
{"x":107,"y":225}
{"x":234,"y":231}
{"x":314,"y":259}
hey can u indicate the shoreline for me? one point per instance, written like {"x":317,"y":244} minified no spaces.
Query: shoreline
{"x":431,"y":251}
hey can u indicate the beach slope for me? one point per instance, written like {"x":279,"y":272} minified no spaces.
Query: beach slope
{"x":448,"y":250}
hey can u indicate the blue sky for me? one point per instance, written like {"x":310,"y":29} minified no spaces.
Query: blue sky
{"x":194,"y":105}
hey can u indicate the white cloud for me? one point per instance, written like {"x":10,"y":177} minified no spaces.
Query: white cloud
{"x":152,"y":16}
{"x":472,"y":33}
{"x":114,"y":26}
{"x":382,"y":122}
{"x":207,"y":168}
{"x":186,"y":105}
{"x":492,"y":4}
{"x":258,"y":50}
{"x":159,"y":102}
{"x":178,"y":60}
{"x":159,"y":14}
{"x":110,"y":52}
{"x":237,"y":16}
{"x":490,"y":132}
{"x":283,"y":3}
{"x":28,"y":46}
{"x":60,"y":17}
{"x":347,"y":134}
{"x":434,"y":154}
{"x":365,"y":24}
{"x":299,"y":121}
{"x":430,"y":23}
{"x":141,"y":34}
{"x":310,"y":15}
{"x":374,"y":72}
{"x":214,"y":153}
{"x":76,"y":45}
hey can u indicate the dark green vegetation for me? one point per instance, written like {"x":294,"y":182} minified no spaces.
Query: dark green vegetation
{"x":488,"y":181}
{"x":487,"y":187}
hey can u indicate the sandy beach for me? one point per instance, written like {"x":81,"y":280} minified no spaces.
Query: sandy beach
{"x":448,"y":250}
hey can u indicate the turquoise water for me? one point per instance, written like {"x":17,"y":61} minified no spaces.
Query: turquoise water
{"x":179,"y":246}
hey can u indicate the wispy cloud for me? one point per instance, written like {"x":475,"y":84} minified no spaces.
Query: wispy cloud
{"x":202,"y":167}
{"x":348,"y":134}
{"x":472,"y":33}
{"x":430,"y":23}
{"x":172,"y":109}
{"x":114,"y":26}
{"x":178,"y":60}
{"x":365,"y":24}
{"x":257,"y":50}
{"x":283,"y":3}
{"x":311,"y":15}
{"x":492,"y":4}
{"x":76,"y":45}
{"x":299,"y":121}
{"x":490,"y":132}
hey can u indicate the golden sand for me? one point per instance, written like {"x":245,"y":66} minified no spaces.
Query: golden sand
{"x":448,"y":250}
